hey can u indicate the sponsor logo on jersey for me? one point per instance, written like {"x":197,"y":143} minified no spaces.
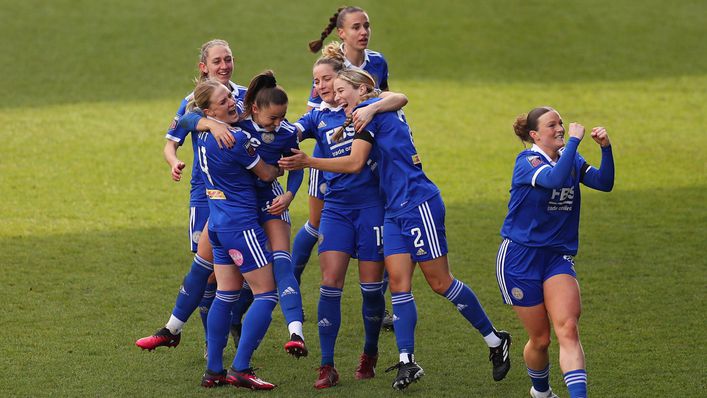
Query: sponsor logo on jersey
{"x":321,"y":124}
{"x":517,"y":293}
{"x":236,"y":256}
{"x":250,"y":148}
{"x":534,"y":161}
{"x":288,"y":291}
{"x":421,"y":252}
{"x":416,"y":159}
{"x":215,"y":194}
{"x":267,"y":137}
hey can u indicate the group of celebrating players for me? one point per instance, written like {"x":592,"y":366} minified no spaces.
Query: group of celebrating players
{"x":369,"y":200}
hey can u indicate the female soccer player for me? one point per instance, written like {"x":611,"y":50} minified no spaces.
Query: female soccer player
{"x":535,"y":268}
{"x":239,"y":243}
{"x":216,"y":62}
{"x":351,"y":225}
{"x":414,"y":223}
{"x":354,"y":29}
{"x":264,"y":123}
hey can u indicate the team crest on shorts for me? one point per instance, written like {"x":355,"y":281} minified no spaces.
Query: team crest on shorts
{"x":320,"y":239}
{"x":517,"y":293}
{"x":195,"y":236}
{"x":267,"y":137}
{"x":236,"y":256}
{"x":322,"y":188}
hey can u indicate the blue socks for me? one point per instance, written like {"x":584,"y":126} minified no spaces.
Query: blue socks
{"x":192,"y":288}
{"x":205,"y":304}
{"x":242,"y":305}
{"x":576,"y":381}
{"x":287,"y":287}
{"x":373,"y":310}
{"x":329,"y":321}
{"x":302,"y":247}
{"x":255,"y":324}
{"x":540,"y":378}
{"x":405,"y":320}
{"x":466,"y":302}
{"x":219,"y":325}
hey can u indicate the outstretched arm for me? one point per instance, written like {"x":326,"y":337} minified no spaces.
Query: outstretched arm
{"x":351,"y":164}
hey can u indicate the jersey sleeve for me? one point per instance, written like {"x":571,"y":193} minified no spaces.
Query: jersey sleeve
{"x":243,"y":152}
{"x":603,"y":178}
{"x":190,"y":120}
{"x":527,"y":168}
{"x":307,"y":125}
{"x":314,"y":98}
{"x":175,"y":132}
{"x":383,"y":84}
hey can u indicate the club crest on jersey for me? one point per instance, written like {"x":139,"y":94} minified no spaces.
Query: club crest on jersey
{"x":249,"y":148}
{"x":267,"y":137}
{"x":534,"y":161}
{"x":236,"y":256}
{"x":517,"y":293}
{"x":215,"y":194}
{"x":173,"y":125}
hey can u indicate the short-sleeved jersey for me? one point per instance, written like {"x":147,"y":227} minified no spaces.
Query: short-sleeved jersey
{"x":178,"y":134}
{"x":374,"y":63}
{"x":229,"y":185}
{"x":543,"y":217}
{"x":402,"y":180}
{"x":273,"y":145}
{"x":351,"y":191}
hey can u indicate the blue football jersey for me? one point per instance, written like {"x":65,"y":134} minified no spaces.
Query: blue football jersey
{"x":273,"y":145}
{"x":543,"y":217}
{"x":352,"y":191}
{"x":374,"y":63}
{"x":402,"y":180}
{"x":178,"y":134}
{"x":229,"y":185}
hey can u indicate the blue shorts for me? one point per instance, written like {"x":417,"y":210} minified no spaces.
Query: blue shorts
{"x":358,"y":232}
{"x":198,"y":216}
{"x":420,"y":232}
{"x":265,"y":198}
{"x":521,"y":271}
{"x":246,"y":249}
{"x":317,"y":184}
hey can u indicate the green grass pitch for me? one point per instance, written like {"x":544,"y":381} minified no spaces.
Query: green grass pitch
{"x":93,"y":231}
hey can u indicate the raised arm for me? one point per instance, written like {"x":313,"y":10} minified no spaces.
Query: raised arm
{"x":554,"y":177}
{"x":390,"y":101}
{"x":602,"y":179}
{"x":195,"y":121}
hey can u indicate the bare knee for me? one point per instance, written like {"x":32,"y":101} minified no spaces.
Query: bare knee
{"x":539,"y":343}
{"x":440,"y":284}
{"x":567,"y":330}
